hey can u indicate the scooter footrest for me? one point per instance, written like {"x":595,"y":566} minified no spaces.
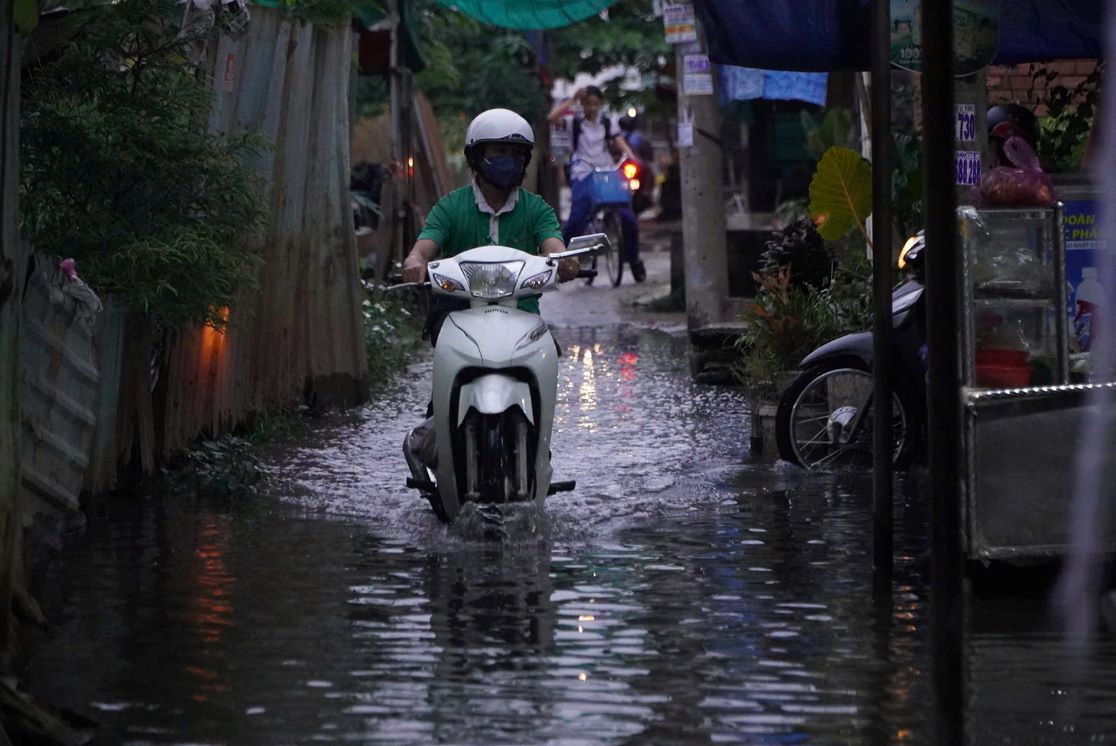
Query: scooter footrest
{"x":561,"y":487}
{"x":422,"y":484}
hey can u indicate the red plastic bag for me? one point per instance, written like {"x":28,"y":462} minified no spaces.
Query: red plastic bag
{"x":1025,"y":185}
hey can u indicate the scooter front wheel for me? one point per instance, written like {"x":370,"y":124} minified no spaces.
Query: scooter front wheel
{"x":825,"y":419}
{"x":614,"y":229}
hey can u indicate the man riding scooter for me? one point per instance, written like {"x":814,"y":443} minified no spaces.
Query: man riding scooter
{"x":494,"y":209}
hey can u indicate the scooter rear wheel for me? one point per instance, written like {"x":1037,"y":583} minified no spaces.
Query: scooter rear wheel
{"x":825,"y":419}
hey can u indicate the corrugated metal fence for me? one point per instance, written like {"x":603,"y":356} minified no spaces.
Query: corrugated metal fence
{"x":300,"y":332}
{"x":299,"y":335}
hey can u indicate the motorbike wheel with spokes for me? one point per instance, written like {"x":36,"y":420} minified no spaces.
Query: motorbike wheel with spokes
{"x":614,"y":229}
{"x":825,"y":419}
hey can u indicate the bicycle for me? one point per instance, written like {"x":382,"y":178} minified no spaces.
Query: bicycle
{"x":611,"y":189}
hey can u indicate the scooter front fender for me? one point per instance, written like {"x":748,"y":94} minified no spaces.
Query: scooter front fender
{"x":495,"y":393}
{"x":857,"y":345}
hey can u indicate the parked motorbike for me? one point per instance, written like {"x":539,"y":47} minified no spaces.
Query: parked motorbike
{"x":824,"y":418}
{"x":495,"y":380}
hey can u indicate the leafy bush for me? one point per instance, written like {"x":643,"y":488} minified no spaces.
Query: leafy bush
{"x":120,"y":173}
{"x":223,"y":468}
{"x":788,"y":319}
{"x":392,"y":329}
{"x":1069,"y":118}
{"x":799,"y":248}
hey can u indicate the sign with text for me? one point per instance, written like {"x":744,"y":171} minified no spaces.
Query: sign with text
{"x":561,"y":140}
{"x":976,"y":34}
{"x":967,"y":163}
{"x":679,"y":21}
{"x":685,"y":134}
{"x":964,"y":122}
{"x":697,"y":75}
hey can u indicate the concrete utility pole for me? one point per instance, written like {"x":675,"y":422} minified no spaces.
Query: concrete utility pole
{"x":703,"y":204}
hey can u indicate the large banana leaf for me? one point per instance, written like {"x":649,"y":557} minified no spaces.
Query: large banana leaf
{"x":26,"y":15}
{"x":841,"y":193}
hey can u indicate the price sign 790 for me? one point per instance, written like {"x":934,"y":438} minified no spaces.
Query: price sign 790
{"x":964,"y":122}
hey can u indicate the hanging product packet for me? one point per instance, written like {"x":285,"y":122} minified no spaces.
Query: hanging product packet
{"x":1023,"y":184}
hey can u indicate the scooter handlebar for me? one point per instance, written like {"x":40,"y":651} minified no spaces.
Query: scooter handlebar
{"x":407,"y":285}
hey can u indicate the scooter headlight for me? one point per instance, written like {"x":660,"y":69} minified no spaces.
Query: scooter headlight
{"x":492,"y":280}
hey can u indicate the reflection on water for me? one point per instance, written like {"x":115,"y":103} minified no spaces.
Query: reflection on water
{"x":677,"y":596}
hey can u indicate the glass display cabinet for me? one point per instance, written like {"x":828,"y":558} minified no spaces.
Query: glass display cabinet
{"x":1015,"y":316}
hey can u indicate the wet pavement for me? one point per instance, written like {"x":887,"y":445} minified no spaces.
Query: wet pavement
{"x":682,"y":594}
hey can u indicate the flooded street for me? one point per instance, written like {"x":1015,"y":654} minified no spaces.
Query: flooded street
{"x":682,"y":594}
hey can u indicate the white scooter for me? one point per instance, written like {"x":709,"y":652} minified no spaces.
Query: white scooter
{"x":495,"y":379}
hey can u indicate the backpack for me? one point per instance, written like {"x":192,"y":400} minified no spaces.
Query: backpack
{"x":575,"y":138}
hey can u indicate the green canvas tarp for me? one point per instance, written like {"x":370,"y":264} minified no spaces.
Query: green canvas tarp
{"x":528,"y":15}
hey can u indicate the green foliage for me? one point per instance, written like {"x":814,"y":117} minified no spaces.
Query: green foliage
{"x":327,"y":12}
{"x":841,"y":193}
{"x":275,"y":424}
{"x":906,"y":185}
{"x":221,"y":468}
{"x":799,"y":248}
{"x":392,"y":330}
{"x":119,"y":172}
{"x":1065,"y":128}
{"x":789,"y":319}
{"x":632,"y":37}
{"x":834,"y":129}
{"x":472,"y":67}
{"x":25,"y":15}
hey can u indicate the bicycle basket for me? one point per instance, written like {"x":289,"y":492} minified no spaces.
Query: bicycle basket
{"x":609,"y":188}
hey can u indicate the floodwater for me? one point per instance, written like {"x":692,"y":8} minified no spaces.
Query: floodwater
{"x":682,"y":594}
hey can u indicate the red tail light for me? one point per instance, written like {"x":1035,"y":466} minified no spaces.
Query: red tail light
{"x":631,"y":170}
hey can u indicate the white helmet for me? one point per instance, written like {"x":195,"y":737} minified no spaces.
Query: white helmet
{"x":499,"y":125}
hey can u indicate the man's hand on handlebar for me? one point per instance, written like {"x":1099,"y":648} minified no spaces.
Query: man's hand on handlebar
{"x":568,"y":269}
{"x":414,"y":269}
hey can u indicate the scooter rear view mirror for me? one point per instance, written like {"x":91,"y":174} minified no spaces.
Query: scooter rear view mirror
{"x":580,"y":245}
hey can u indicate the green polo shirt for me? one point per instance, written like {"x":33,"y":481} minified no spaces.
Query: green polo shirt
{"x":456,"y":223}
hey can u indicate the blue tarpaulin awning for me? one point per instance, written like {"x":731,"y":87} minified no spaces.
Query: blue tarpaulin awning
{"x":823,"y":35}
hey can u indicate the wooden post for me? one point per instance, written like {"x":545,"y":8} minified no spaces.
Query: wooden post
{"x":13,"y":263}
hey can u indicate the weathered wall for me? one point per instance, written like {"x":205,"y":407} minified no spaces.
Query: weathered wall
{"x":300,"y":332}
{"x":59,"y":396}
{"x":1014,"y":83}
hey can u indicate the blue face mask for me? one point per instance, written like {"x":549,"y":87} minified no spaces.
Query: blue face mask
{"x":503,"y":171}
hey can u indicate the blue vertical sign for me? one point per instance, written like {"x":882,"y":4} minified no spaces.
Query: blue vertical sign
{"x":1082,"y":239}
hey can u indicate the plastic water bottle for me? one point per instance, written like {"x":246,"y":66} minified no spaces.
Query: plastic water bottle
{"x":1089,"y":300}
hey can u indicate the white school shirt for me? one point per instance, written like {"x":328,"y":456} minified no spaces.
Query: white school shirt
{"x":592,"y":147}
